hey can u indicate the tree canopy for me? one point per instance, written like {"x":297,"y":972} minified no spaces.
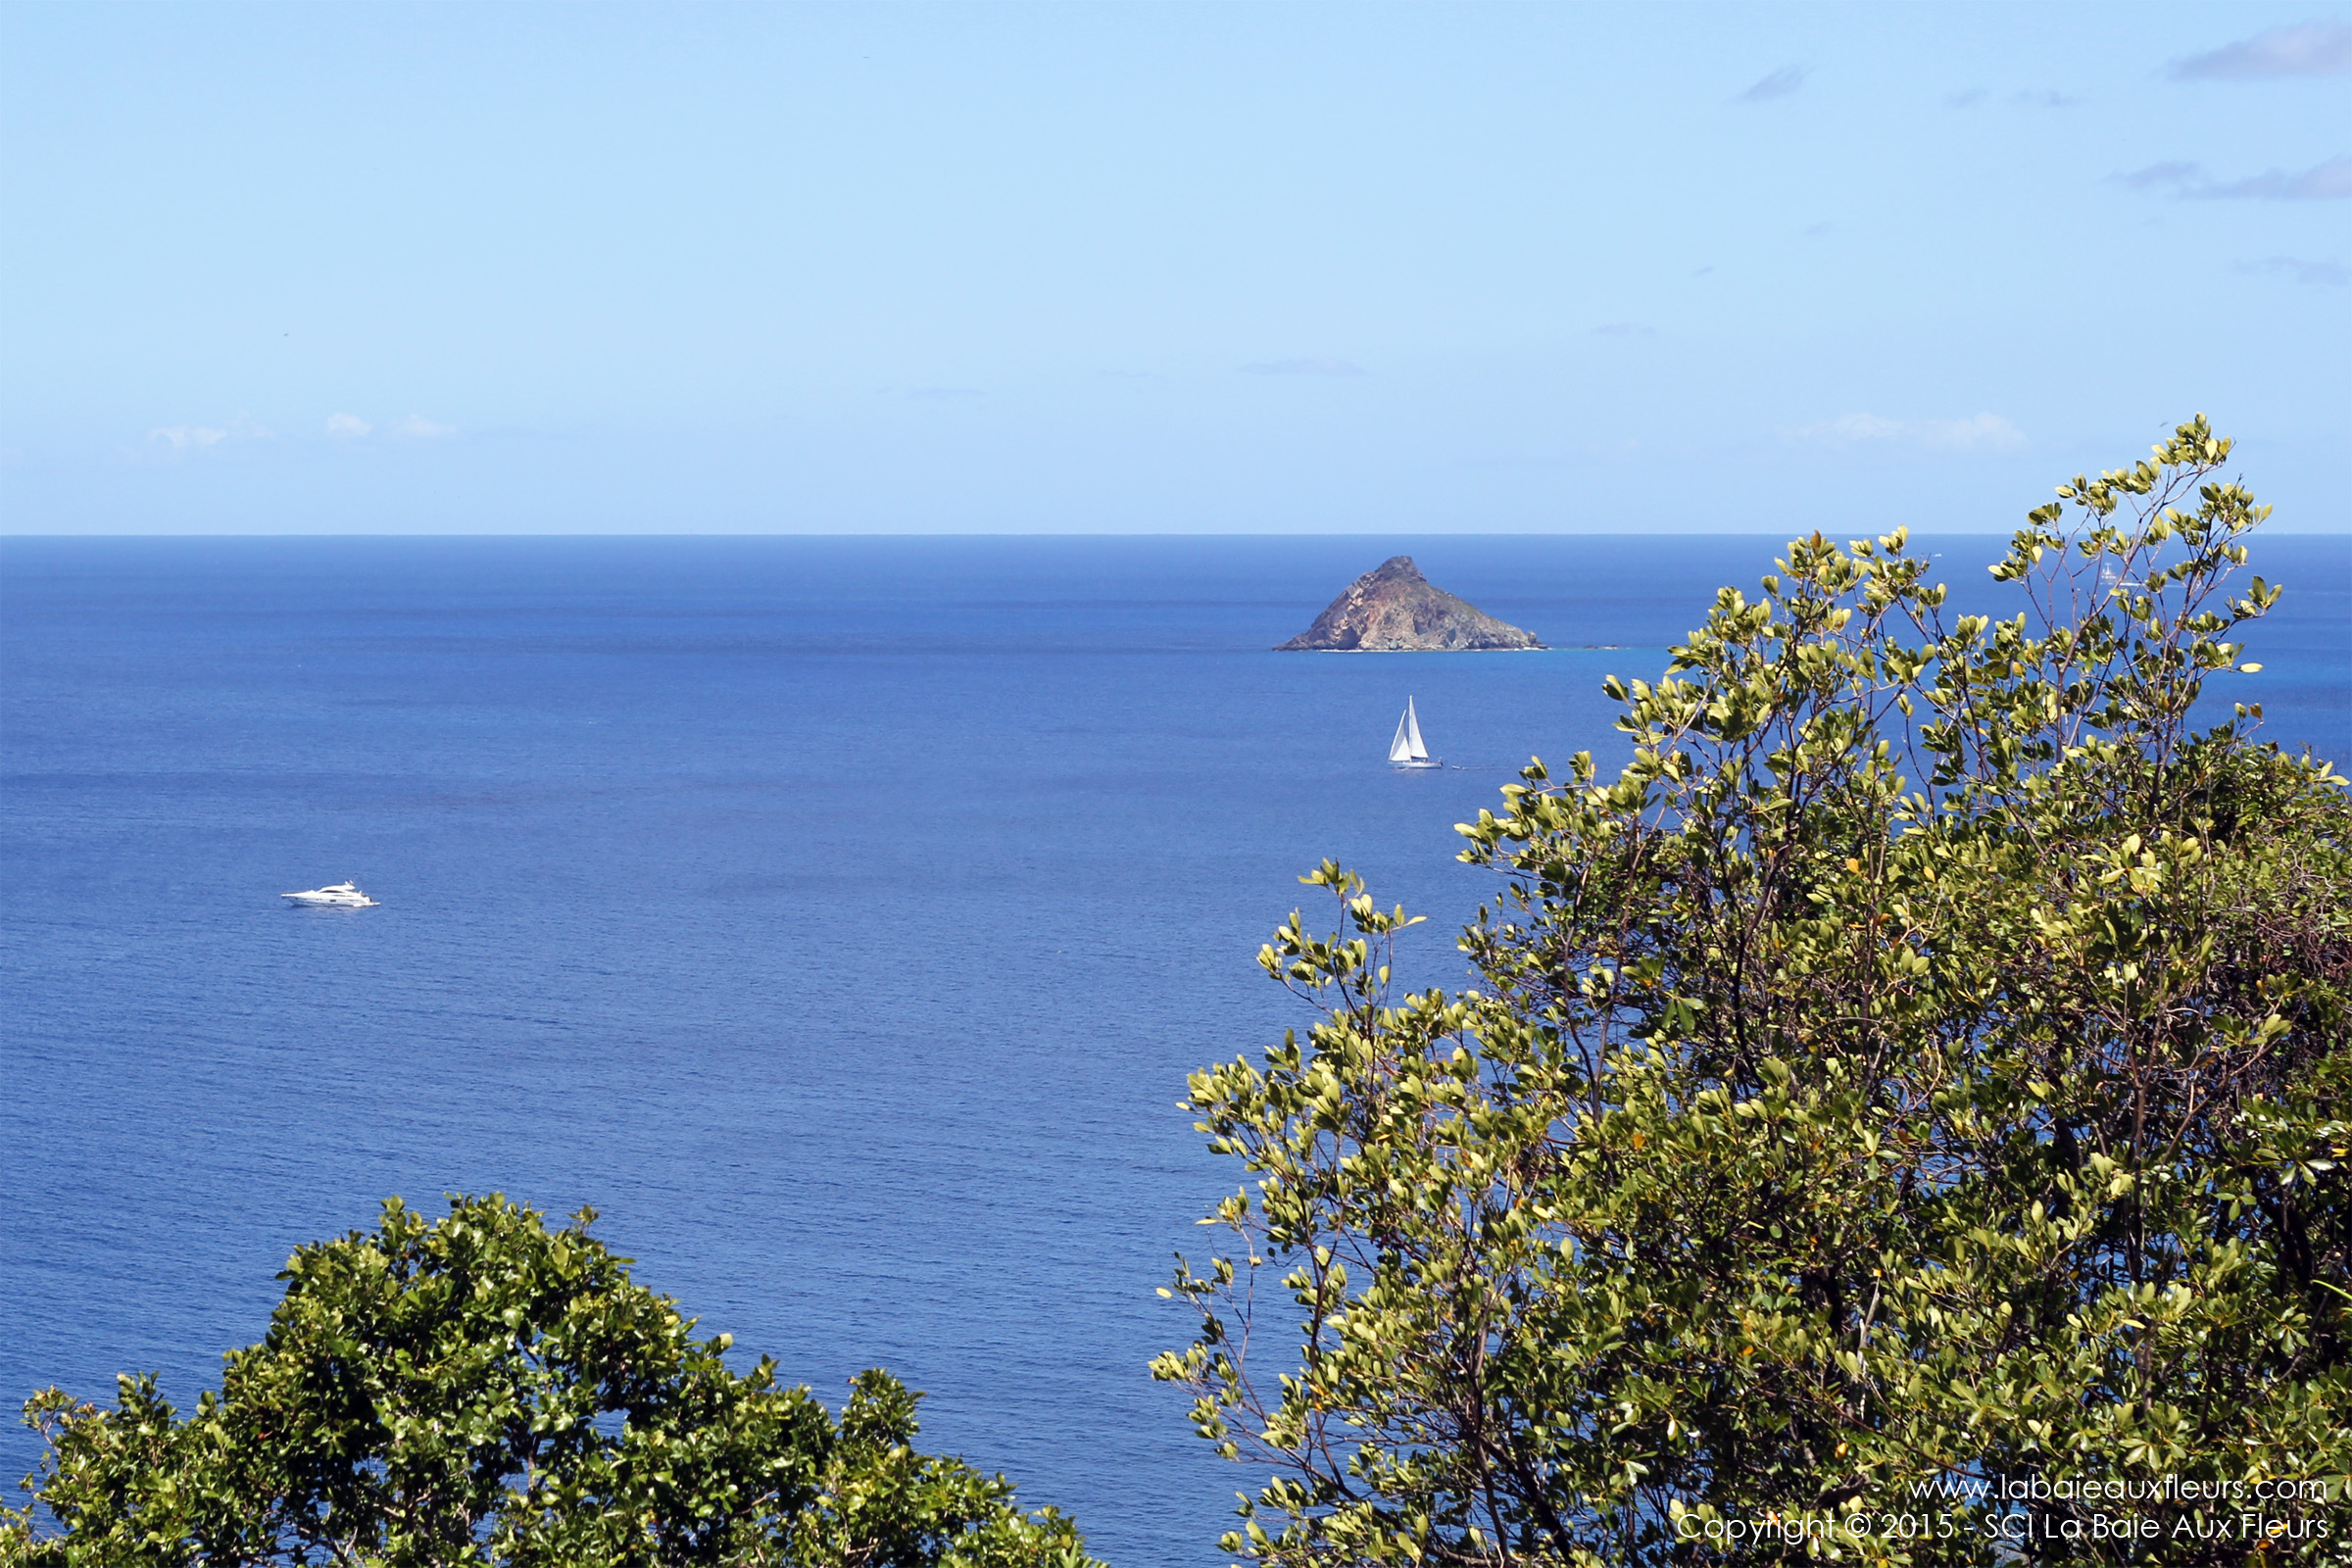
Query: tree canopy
{"x":481,"y":1390}
{"x":1905,"y":1107}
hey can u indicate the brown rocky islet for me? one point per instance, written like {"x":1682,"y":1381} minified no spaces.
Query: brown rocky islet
{"x":1394,"y":610}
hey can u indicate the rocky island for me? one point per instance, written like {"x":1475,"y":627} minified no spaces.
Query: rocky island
{"x":1394,"y":610}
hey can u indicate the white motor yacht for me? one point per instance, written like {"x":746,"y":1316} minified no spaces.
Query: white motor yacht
{"x":342,"y":895}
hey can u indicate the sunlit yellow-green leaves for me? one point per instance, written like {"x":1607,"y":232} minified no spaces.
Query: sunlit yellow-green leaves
{"x":1925,"y":1061}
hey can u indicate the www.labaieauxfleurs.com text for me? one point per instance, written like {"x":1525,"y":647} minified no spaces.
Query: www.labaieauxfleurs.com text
{"x":1961,"y":1488}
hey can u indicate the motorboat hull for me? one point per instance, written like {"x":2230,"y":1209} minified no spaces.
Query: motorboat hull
{"x":341,"y":896}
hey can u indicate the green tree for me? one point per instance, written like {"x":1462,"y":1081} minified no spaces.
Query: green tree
{"x":1923,"y":1066}
{"x":481,"y":1389}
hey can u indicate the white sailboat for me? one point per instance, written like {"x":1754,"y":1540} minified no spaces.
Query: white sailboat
{"x":1406,"y":750}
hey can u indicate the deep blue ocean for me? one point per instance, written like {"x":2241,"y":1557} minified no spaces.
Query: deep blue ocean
{"x":840,"y":917}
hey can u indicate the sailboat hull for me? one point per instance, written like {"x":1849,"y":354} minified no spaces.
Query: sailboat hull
{"x":1408,"y":749}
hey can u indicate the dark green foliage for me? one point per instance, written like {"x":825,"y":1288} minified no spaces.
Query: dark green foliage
{"x":1926,"y":1062}
{"x":483,"y":1391}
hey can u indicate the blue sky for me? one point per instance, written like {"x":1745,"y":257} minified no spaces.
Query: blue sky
{"x":1160,"y":268}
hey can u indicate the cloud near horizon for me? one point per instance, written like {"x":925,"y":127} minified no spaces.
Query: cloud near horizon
{"x":2325,"y":273}
{"x":1343,"y":367}
{"x":187,"y":437}
{"x":1977,"y":433}
{"x":415,"y":428}
{"x":2184,"y":182}
{"x":1779,"y":85}
{"x":177,"y":440}
{"x":2314,"y":49}
{"x":2023,"y":98}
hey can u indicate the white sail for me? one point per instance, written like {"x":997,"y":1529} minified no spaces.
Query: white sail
{"x":1412,"y":730}
{"x":1400,"y":749}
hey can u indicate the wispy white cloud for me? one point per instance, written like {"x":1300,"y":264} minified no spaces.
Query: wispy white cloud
{"x":187,"y":437}
{"x":942,"y":394}
{"x":1852,"y":427}
{"x":347,"y":427}
{"x":2328,"y":181}
{"x":2314,"y":49}
{"x":1779,"y":85}
{"x":2034,"y":98}
{"x":2170,"y":175}
{"x":1976,"y":433}
{"x":2326,"y":273}
{"x":1341,"y":368}
{"x":1963,"y":435}
{"x":179,"y":440}
{"x":417,"y":427}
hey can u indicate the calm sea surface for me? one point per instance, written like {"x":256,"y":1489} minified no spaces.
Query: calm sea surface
{"x":840,"y":917}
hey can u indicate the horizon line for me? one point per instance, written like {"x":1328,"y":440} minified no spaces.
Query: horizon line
{"x":1693,"y":533}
